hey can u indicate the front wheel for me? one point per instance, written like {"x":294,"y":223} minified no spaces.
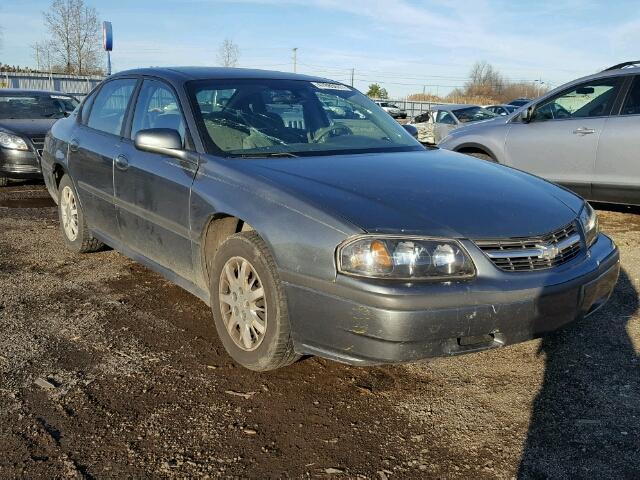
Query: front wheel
{"x":72,"y":223}
{"x":249,"y":304}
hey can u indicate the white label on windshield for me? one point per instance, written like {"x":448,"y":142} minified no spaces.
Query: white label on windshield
{"x":330,"y":86}
{"x":60,"y":97}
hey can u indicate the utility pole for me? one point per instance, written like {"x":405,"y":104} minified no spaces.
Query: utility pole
{"x":353,"y":70}
{"x":50,"y":76}
{"x":295,"y":59}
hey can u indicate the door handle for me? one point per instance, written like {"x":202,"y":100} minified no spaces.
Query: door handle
{"x":121,"y":162}
{"x":583,"y":131}
{"x":74,"y":144}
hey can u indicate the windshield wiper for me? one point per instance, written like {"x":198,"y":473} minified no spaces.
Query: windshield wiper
{"x":266,"y":155}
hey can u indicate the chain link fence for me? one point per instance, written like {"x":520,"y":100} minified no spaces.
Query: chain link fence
{"x":78,"y":85}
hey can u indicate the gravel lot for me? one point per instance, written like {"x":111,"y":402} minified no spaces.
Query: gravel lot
{"x":107,"y":370}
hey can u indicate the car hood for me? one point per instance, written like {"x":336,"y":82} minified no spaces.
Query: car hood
{"x":28,"y":127}
{"x":435,"y":192}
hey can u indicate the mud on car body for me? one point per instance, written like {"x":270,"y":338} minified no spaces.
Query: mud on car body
{"x":311,"y":233}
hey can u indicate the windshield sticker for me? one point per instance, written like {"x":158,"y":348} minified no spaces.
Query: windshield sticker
{"x":330,"y":86}
{"x":60,"y":97}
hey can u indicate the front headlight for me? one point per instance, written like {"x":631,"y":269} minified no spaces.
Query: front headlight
{"x":408,"y":258}
{"x":8,"y":140}
{"x":589,"y":221}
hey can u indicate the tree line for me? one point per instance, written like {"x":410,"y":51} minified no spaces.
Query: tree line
{"x":485,"y":85}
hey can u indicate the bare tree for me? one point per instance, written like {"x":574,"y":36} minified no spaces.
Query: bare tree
{"x":484,"y":80}
{"x":74,"y":44}
{"x":228,"y":53}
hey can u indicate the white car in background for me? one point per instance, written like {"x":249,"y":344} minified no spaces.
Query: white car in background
{"x":393,"y":110}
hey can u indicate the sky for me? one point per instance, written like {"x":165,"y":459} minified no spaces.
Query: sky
{"x":407,"y":46}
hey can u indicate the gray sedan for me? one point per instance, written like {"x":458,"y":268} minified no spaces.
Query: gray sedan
{"x":311,"y":233}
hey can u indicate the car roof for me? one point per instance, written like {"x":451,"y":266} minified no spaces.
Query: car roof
{"x":615,"y":72}
{"x":26,"y":91}
{"x":185,"y":74}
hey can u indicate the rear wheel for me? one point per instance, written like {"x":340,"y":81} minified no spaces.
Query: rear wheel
{"x":249,"y":304}
{"x":72,"y":223}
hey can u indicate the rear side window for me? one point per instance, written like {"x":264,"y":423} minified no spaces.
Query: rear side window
{"x":632,"y":103}
{"x":157,"y":107}
{"x":110,"y":106}
{"x":86,"y":107}
{"x":589,"y":99}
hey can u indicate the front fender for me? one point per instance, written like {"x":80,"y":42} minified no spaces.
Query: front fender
{"x":301,"y":237}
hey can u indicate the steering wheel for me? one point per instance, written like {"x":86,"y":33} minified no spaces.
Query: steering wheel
{"x":561,"y":112}
{"x":335,"y":130}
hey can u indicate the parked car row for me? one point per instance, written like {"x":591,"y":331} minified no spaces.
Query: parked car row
{"x":312,"y":223}
{"x":440,"y":120}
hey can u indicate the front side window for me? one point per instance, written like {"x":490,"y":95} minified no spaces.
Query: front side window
{"x":35,"y":106}
{"x":445,"y":118}
{"x":110,"y":106}
{"x":632,"y":103}
{"x":590,"y":99}
{"x":473,"y":114}
{"x":157,"y":107}
{"x":265,"y":117}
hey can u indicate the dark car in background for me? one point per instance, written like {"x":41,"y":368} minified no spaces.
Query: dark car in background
{"x":25,"y":118}
{"x":519,"y":102}
{"x":339,"y":237}
{"x":503,"y":109}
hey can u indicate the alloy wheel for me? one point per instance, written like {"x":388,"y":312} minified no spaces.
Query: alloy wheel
{"x":243,"y":303}
{"x":69,"y":211}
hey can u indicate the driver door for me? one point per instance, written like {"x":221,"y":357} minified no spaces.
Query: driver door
{"x":561,"y":140}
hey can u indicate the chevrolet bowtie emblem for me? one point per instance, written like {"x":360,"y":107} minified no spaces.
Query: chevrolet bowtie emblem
{"x":548,"y":252}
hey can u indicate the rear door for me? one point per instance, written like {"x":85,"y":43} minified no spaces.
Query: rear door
{"x":153,"y":190}
{"x":617,"y":176}
{"x":95,"y":142}
{"x":561,"y":141}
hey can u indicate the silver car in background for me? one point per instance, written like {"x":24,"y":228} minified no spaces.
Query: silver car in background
{"x":583,"y":135}
{"x":448,"y":117}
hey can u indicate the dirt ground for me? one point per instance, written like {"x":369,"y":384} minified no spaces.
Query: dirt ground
{"x":107,"y":370}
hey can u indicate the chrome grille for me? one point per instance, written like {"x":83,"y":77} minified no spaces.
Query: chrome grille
{"x":534,"y":253}
{"x":38,"y":144}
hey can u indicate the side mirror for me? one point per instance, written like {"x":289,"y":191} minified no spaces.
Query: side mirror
{"x":413,"y":131}
{"x":165,"y":141}
{"x":527,"y":114}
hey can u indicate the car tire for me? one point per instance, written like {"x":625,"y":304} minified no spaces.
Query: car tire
{"x":4,"y":181}
{"x":72,"y":223}
{"x":247,"y":296}
{"x":482,"y":156}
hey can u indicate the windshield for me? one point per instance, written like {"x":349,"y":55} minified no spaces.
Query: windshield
{"x":266,"y":117}
{"x":473,"y":114}
{"x":35,"y":106}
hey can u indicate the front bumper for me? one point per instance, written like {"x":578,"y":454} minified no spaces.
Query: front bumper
{"x":19,"y":164}
{"x":363,"y":323}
